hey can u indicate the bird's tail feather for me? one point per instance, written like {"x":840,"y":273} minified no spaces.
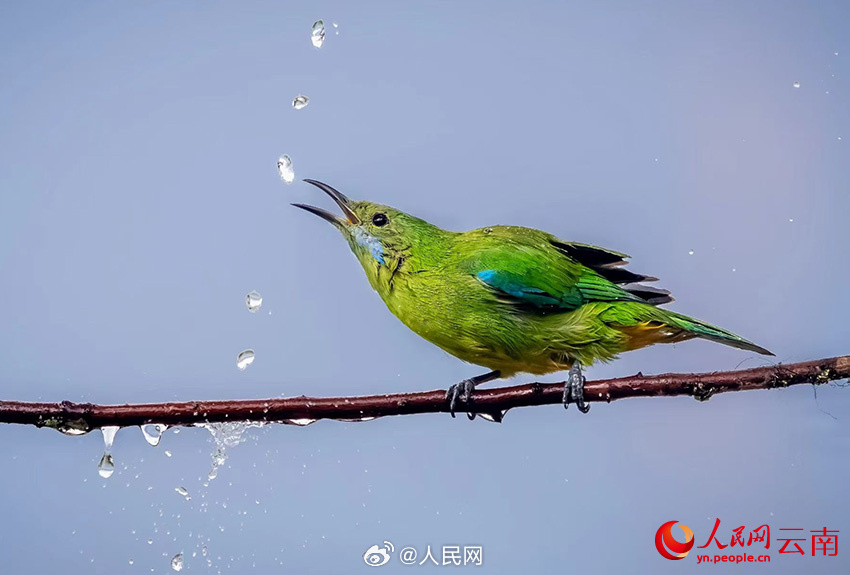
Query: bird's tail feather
{"x":712,"y":332}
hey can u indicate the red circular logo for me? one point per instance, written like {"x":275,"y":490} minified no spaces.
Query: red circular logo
{"x":664,"y":540}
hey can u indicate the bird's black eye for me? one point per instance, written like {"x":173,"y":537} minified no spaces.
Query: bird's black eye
{"x":380,"y":219}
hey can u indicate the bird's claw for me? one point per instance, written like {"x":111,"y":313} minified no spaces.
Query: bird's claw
{"x":462,"y":391}
{"x":574,"y":389}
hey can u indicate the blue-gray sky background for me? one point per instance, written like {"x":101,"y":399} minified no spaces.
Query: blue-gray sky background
{"x":139,"y":203}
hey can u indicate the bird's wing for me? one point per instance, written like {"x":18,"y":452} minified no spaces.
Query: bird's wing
{"x":611,"y":266}
{"x":550,"y":276}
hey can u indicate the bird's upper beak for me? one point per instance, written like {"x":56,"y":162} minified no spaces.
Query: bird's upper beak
{"x":340,"y":199}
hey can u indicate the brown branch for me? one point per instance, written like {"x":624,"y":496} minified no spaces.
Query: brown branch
{"x":78,"y":418}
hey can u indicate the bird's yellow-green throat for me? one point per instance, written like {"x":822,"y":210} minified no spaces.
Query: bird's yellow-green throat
{"x":509,"y":298}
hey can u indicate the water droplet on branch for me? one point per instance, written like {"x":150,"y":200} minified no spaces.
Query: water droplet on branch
{"x":153,"y":432}
{"x":299,"y":422}
{"x":109,"y":433}
{"x":75,"y":427}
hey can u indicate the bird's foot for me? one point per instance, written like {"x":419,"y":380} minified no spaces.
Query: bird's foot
{"x":461,"y":391}
{"x":574,"y":389}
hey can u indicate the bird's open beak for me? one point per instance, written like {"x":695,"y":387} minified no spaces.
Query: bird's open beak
{"x":340,"y":199}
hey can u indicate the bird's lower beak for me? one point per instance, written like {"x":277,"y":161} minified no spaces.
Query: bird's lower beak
{"x":340,"y":199}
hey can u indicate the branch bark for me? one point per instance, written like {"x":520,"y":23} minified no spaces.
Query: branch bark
{"x":77,"y":418}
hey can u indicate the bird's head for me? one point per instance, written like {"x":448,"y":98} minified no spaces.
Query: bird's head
{"x":378,"y":235}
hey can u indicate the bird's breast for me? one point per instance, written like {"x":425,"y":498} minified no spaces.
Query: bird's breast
{"x":452,"y":312}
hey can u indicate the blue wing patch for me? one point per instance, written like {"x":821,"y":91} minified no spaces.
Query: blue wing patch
{"x":513,"y":286}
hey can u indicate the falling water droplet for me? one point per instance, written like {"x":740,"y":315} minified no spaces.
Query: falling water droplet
{"x":336,"y":31}
{"x":167,"y":453}
{"x":177,"y":562}
{"x":317,"y":37}
{"x":836,"y":53}
{"x":244,"y":359}
{"x":184,"y":492}
{"x":153,"y":432}
{"x":284,"y":168}
{"x":796,"y":84}
{"x":300,"y":101}
{"x":690,"y":252}
{"x":254,"y":301}
{"x":106,"y":467}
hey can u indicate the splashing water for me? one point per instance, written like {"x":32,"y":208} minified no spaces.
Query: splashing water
{"x":244,"y":359}
{"x":226,"y":435}
{"x":106,"y":467}
{"x":317,"y":36}
{"x":254,"y":301}
{"x":284,"y":168}
{"x":153,"y":432}
{"x":300,"y":101}
{"x":177,"y":562}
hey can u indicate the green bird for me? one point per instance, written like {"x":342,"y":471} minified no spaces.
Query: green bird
{"x":509,"y":298}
